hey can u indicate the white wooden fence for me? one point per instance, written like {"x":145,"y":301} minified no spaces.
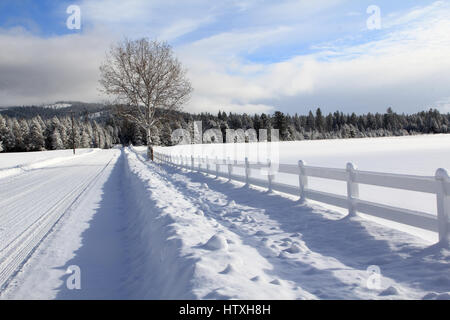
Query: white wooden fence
{"x":438,"y":185}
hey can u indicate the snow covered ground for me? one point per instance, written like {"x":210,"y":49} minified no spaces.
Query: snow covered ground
{"x":33,"y":202}
{"x":15,"y":163}
{"x":413,"y":155}
{"x":244,"y":243}
{"x":152,"y":231}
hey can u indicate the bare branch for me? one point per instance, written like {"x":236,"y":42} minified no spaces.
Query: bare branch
{"x":144,"y":76}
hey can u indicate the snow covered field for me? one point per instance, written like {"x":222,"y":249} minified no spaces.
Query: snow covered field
{"x":145,"y":230}
{"x":14,"y":163}
{"x":413,"y":155}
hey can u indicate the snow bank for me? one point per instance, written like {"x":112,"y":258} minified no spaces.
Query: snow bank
{"x":161,"y":272}
{"x":277,"y":248}
{"x":36,"y":160}
{"x":177,"y":253}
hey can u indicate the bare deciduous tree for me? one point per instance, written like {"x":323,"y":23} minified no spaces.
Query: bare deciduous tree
{"x":144,"y":76}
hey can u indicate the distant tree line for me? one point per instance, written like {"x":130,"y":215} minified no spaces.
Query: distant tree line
{"x":79,"y":109}
{"x":36,"y":134}
{"x":313,"y":126}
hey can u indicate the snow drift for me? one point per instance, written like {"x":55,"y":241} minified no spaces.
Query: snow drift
{"x":153,"y":246}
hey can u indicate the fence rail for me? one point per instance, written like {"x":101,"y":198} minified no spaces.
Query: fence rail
{"x":438,"y":185}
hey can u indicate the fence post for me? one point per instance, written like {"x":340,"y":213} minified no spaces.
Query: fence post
{"x":192,"y":163}
{"x":352,"y":189}
{"x":443,"y":206}
{"x":302,"y":180}
{"x":230,"y":168}
{"x":269,"y":175}
{"x":247,"y":171}
{"x":217,"y":168}
{"x":207,"y":165}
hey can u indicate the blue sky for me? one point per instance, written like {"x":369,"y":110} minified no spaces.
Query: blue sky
{"x":245,"y":56}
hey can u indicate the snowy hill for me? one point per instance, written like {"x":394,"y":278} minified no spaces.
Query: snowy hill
{"x":94,"y":110}
{"x":146,"y":230}
{"x":57,"y":105}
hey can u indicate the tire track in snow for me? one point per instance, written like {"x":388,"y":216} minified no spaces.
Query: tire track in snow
{"x":16,"y":251}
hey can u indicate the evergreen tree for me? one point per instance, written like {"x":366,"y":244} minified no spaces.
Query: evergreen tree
{"x":310,"y":122}
{"x":35,"y":140}
{"x":56,"y":142}
{"x":280,"y":123}
{"x":320,"y":121}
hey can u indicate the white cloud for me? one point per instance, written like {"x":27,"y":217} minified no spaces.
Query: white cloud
{"x":408,"y":68}
{"x":182,"y":27}
{"x":34,"y":70}
{"x":443,"y":105}
{"x":406,"y":65}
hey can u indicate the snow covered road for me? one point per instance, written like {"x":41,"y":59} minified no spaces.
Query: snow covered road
{"x":33,"y":202}
{"x":149,"y":231}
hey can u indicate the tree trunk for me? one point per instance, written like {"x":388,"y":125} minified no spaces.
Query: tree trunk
{"x":149,"y":145}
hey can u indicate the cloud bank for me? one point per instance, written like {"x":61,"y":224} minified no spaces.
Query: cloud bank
{"x":249,"y":56}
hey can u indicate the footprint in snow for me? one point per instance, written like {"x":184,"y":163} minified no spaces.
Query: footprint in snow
{"x":233,"y":214}
{"x":283,"y":255}
{"x":276,"y":282}
{"x":228,"y":270}
{"x":249,"y":219}
{"x":311,"y":271}
{"x":205,"y":207}
{"x":256,"y":279}
{"x":216,"y":242}
{"x":294,"y":249}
